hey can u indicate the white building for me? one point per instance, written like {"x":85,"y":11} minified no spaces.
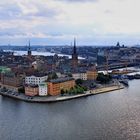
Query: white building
{"x":43,"y":90}
{"x":82,"y":76}
{"x":35,"y":80}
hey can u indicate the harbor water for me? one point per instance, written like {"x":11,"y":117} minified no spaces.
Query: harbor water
{"x":109,"y":116}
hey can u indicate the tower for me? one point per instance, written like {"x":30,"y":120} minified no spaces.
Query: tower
{"x":118,"y":44}
{"x":74,"y":56}
{"x":29,"y":50}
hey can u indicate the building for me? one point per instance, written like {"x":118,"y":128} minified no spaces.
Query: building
{"x":74,"y":60}
{"x":92,"y":74}
{"x":12,"y":80}
{"x":31,"y":90}
{"x":29,"y":50}
{"x":79,"y":75}
{"x":43,"y":89}
{"x":101,"y":57}
{"x":36,"y":79}
{"x":55,"y":86}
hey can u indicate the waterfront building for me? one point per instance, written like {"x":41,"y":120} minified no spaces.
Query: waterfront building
{"x":55,"y":86}
{"x":43,"y":89}
{"x":12,"y":80}
{"x":36,"y":79}
{"x":31,"y":90}
{"x":92,"y":74}
{"x":82,"y":75}
{"x":74,"y":61}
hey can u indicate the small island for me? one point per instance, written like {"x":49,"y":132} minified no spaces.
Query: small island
{"x":35,"y":78}
{"x":62,"y":89}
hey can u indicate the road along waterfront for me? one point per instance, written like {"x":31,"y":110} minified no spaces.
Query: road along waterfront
{"x":62,"y":98}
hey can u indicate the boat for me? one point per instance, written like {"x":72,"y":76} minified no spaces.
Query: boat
{"x":124,"y":82}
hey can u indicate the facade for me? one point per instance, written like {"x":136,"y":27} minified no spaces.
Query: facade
{"x":74,"y":61}
{"x":55,"y":86}
{"x":35,"y":79}
{"x":12,"y":80}
{"x":43,"y":89}
{"x":31,"y":90}
{"x":82,"y":76}
{"x":92,"y":74}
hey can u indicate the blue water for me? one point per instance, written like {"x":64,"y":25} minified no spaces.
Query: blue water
{"x":109,"y":116}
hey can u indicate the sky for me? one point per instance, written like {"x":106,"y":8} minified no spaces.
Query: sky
{"x":57,"y":22}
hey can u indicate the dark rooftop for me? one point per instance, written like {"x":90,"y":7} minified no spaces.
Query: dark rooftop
{"x":37,"y":74}
{"x":60,"y":80}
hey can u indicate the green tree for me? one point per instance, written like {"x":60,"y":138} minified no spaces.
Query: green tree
{"x":85,"y":88}
{"x":52,"y":75}
{"x":103,"y":78}
{"x":62,"y":92}
{"x":79,"y":81}
{"x":21,"y":90}
{"x":69,"y":74}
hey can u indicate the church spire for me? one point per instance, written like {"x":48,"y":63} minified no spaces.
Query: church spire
{"x":74,"y":49}
{"x":74,"y":56}
{"x":29,"y":49}
{"x":29,"y":45}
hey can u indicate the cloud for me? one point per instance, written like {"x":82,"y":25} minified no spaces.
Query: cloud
{"x":78,"y":0}
{"x":63,"y":19}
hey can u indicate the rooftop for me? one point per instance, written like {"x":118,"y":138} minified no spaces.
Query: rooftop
{"x":60,"y":80}
{"x":37,"y":74}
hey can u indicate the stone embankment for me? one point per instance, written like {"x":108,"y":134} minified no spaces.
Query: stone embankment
{"x":51,"y":99}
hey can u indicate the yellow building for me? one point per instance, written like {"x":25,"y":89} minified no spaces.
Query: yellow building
{"x":31,"y":90}
{"x":92,"y":74}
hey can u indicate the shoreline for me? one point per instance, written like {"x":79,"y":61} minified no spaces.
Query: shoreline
{"x":53,"y":99}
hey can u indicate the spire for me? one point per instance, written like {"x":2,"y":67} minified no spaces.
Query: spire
{"x":29,"y":45}
{"x":29,"y":49}
{"x":74,"y":49}
{"x":118,"y":44}
{"x":74,"y":42}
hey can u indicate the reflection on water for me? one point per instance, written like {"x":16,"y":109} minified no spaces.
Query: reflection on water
{"x":110,"y":116}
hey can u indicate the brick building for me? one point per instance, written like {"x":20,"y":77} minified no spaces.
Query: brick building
{"x":55,"y":86}
{"x":12,"y":80}
{"x":31,"y":90}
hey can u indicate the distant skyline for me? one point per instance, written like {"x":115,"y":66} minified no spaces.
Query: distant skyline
{"x":57,"y":22}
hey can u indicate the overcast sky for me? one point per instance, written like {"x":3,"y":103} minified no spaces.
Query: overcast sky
{"x":50,"y":22}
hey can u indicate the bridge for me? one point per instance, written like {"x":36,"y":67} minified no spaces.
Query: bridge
{"x":117,"y":66}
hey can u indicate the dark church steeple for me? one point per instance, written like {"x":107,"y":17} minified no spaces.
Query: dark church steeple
{"x":74,"y":56}
{"x":74,"y":49}
{"x":29,"y":49}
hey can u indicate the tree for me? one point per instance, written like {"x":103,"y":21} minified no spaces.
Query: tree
{"x":69,"y":74}
{"x":85,"y":88}
{"x":21,"y":90}
{"x":104,"y":78}
{"x":62,"y":92}
{"x":79,"y":81}
{"x":52,"y":75}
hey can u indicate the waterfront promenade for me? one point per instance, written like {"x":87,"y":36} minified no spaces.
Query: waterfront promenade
{"x":50,"y":99}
